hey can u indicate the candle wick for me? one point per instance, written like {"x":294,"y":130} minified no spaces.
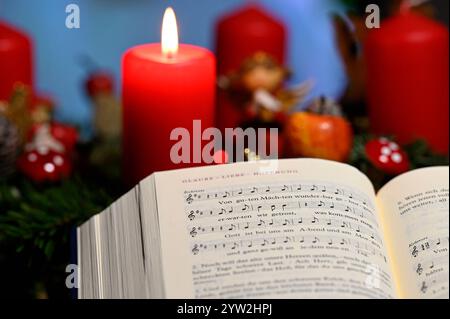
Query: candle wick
{"x":169,"y":55}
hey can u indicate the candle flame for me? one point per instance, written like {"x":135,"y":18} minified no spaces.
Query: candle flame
{"x":169,"y":34}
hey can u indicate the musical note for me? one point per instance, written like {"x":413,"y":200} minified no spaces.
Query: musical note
{"x":286,"y":222}
{"x":424,"y":287}
{"x":193,"y":232}
{"x":284,"y":240}
{"x":414,"y":252}
{"x":286,"y":206}
{"x":279,"y":188}
{"x":419,"y":269}
{"x":282,"y":222}
{"x":430,"y":244}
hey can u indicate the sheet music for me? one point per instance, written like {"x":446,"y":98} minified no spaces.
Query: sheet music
{"x":289,"y":235}
{"x":417,"y":209}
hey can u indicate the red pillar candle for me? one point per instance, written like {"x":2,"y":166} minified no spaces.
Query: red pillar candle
{"x":240,"y":35}
{"x":164,"y":87}
{"x":408,"y":79}
{"x":16,"y":63}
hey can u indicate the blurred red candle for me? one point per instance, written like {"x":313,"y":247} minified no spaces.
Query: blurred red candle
{"x":408,"y":79}
{"x":165,"y":86}
{"x":16,"y":65}
{"x":240,"y":35}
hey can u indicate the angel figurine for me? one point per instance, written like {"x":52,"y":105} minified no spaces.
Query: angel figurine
{"x":257,"y":87}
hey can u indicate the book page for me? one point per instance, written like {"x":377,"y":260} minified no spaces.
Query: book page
{"x":415,"y":214}
{"x":274,"y":229}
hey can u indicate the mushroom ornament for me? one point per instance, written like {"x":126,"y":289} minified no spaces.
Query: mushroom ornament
{"x":65,"y":134}
{"x":387,"y":156}
{"x":44,"y":158}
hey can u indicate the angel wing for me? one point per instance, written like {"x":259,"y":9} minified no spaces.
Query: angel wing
{"x":295,"y":95}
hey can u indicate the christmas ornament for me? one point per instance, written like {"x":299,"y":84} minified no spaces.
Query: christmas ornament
{"x":44,"y":159}
{"x":42,"y":110}
{"x":44,"y":165}
{"x":387,"y":156}
{"x":319,"y":135}
{"x":9,"y":146}
{"x":65,"y":134}
{"x":107,"y":108}
{"x":257,"y":88}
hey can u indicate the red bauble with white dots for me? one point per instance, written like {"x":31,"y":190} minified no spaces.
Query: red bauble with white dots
{"x":44,"y":165}
{"x":387,"y":156}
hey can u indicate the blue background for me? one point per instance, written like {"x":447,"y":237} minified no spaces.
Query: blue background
{"x":109,"y":27}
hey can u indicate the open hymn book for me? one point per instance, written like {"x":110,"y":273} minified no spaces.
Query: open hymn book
{"x":294,"y":228}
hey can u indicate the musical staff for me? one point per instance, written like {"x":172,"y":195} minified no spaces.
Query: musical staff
{"x":232,"y":245}
{"x":430,"y":264}
{"x":435,"y":284}
{"x":428,"y":245}
{"x":307,"y":187}
{"x":196,"y":213}
{"x":195,"y":231}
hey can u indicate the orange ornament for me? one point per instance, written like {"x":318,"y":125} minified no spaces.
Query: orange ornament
{"x":320,"y":136}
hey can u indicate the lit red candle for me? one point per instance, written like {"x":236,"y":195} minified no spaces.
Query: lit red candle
{"x":16,"y":65}
{"x":239,"y":35}
{"x":165,"y":86}
{"x":408,"y":79}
